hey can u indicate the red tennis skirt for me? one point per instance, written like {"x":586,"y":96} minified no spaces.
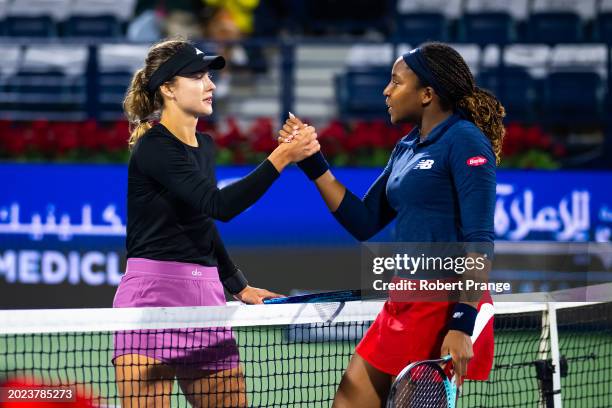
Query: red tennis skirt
{"x":405,"y":332}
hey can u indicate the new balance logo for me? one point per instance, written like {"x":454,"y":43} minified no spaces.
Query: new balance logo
{"x":457,"y":315}
{"x":424,"y":164}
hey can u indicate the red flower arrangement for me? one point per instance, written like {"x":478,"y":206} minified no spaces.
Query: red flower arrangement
{"x":359,"y":143}
{"x":530,"y":147}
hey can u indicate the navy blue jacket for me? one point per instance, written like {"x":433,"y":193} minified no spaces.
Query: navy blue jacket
{"x":440,"y":190}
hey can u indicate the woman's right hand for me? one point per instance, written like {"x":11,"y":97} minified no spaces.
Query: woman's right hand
{"x":303,"y":144}
{"x":290,"y":129}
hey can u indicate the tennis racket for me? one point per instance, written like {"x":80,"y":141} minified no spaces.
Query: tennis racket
{"x":423,"y":384}
{"x":327,"y":304}
{"x":337,"y":296}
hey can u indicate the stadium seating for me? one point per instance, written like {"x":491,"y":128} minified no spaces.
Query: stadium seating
{"x":9,"y":64}
{"x":487,"y":22}
{"x":515,"y":88}
{"x":17,"y":26}
{"x":559,"y":21}
{"x":421,"y":27}
{"x":418,"y":21}
{"x":104,"y":26}
{"x":528,"y":78}
{"x":97,"y":18}
{"x":117,"y":63}
{"x":415,"y":21}
{"x":497,"y":27}
{"x":517,"y":9}
{"x":3,"y":10}
{"x":373,"y":54}
{"x":552,"y":28}
{"x":67,"y":18}
{"x":360,"y":92}
{"x":46,"y":81}
{"x":513,"y":74}
{"x":574,"y":89}
{"x":97,"y":8}
{"x":341,"y":16}
{"x":35,"y":18}
{"x":603,"y":23}
{"x":512,"y":47}
{"x":573,"y":98}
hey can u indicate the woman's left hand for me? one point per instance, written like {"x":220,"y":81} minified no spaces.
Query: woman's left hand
{"x":459,"y":346}
{"x":255,"y":296}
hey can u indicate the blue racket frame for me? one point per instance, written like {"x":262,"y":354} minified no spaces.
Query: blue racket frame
{"x":449,"y":384}
{"x":337,"y":296}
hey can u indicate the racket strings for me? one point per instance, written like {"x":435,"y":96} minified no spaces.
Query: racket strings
{"x":422,"y":387}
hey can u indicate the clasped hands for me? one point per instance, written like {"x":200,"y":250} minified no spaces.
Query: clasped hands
{"x":299,"y":138}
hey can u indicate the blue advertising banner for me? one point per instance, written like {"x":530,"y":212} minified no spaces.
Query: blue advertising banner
{"x":64,"y":225}
{"x":57,"y":204}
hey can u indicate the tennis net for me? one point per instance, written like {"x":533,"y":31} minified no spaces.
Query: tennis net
{"x":293,"y":355}
{"x":538,"y":341}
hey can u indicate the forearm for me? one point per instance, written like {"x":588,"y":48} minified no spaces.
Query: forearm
{"x":478,"y":274}
{"x":362,"y":218}
{"x":237,"y":197}
{"x":332,"y":191}
{"x":279,"y":159}
{"x":231,"y":277}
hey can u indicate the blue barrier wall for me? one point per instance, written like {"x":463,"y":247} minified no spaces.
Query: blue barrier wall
{"x":62,"y":228}
{"x":58,"y":205}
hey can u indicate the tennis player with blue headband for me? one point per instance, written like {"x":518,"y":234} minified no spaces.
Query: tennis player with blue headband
{"x":439,"y":186}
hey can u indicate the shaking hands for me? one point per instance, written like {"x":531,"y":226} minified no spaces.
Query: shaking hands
{"x":297,"y":141}
{"x":294,"y":131}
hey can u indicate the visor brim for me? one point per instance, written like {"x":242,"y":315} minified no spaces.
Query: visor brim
{"x":205,"y":63}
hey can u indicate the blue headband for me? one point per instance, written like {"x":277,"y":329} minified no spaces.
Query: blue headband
{"x":417,"y":63}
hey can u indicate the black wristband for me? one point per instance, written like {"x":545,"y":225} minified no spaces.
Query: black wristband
{"x":314,"y":166}
{"x":463,"y":318}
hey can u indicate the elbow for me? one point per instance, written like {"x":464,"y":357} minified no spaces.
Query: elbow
{"x":479,"y":231}
{"x":225,"y":217}
{"x":480,"y":236}
{"x":362,"y":234}
{"x":222,"y":211}
{"x":360,"y":237}
{"x":361,"y":230}
{"x":357,"y":226}
{"x":481,"y":242}
{"x":363,"y":238}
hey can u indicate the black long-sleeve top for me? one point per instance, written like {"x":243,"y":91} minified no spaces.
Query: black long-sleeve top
{"x":173,"y":199}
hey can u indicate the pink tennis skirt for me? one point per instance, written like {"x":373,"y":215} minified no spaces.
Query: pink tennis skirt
{"x":150,"y":283}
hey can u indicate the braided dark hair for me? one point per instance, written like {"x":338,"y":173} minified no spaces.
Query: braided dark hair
{"x":480,"y":105}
